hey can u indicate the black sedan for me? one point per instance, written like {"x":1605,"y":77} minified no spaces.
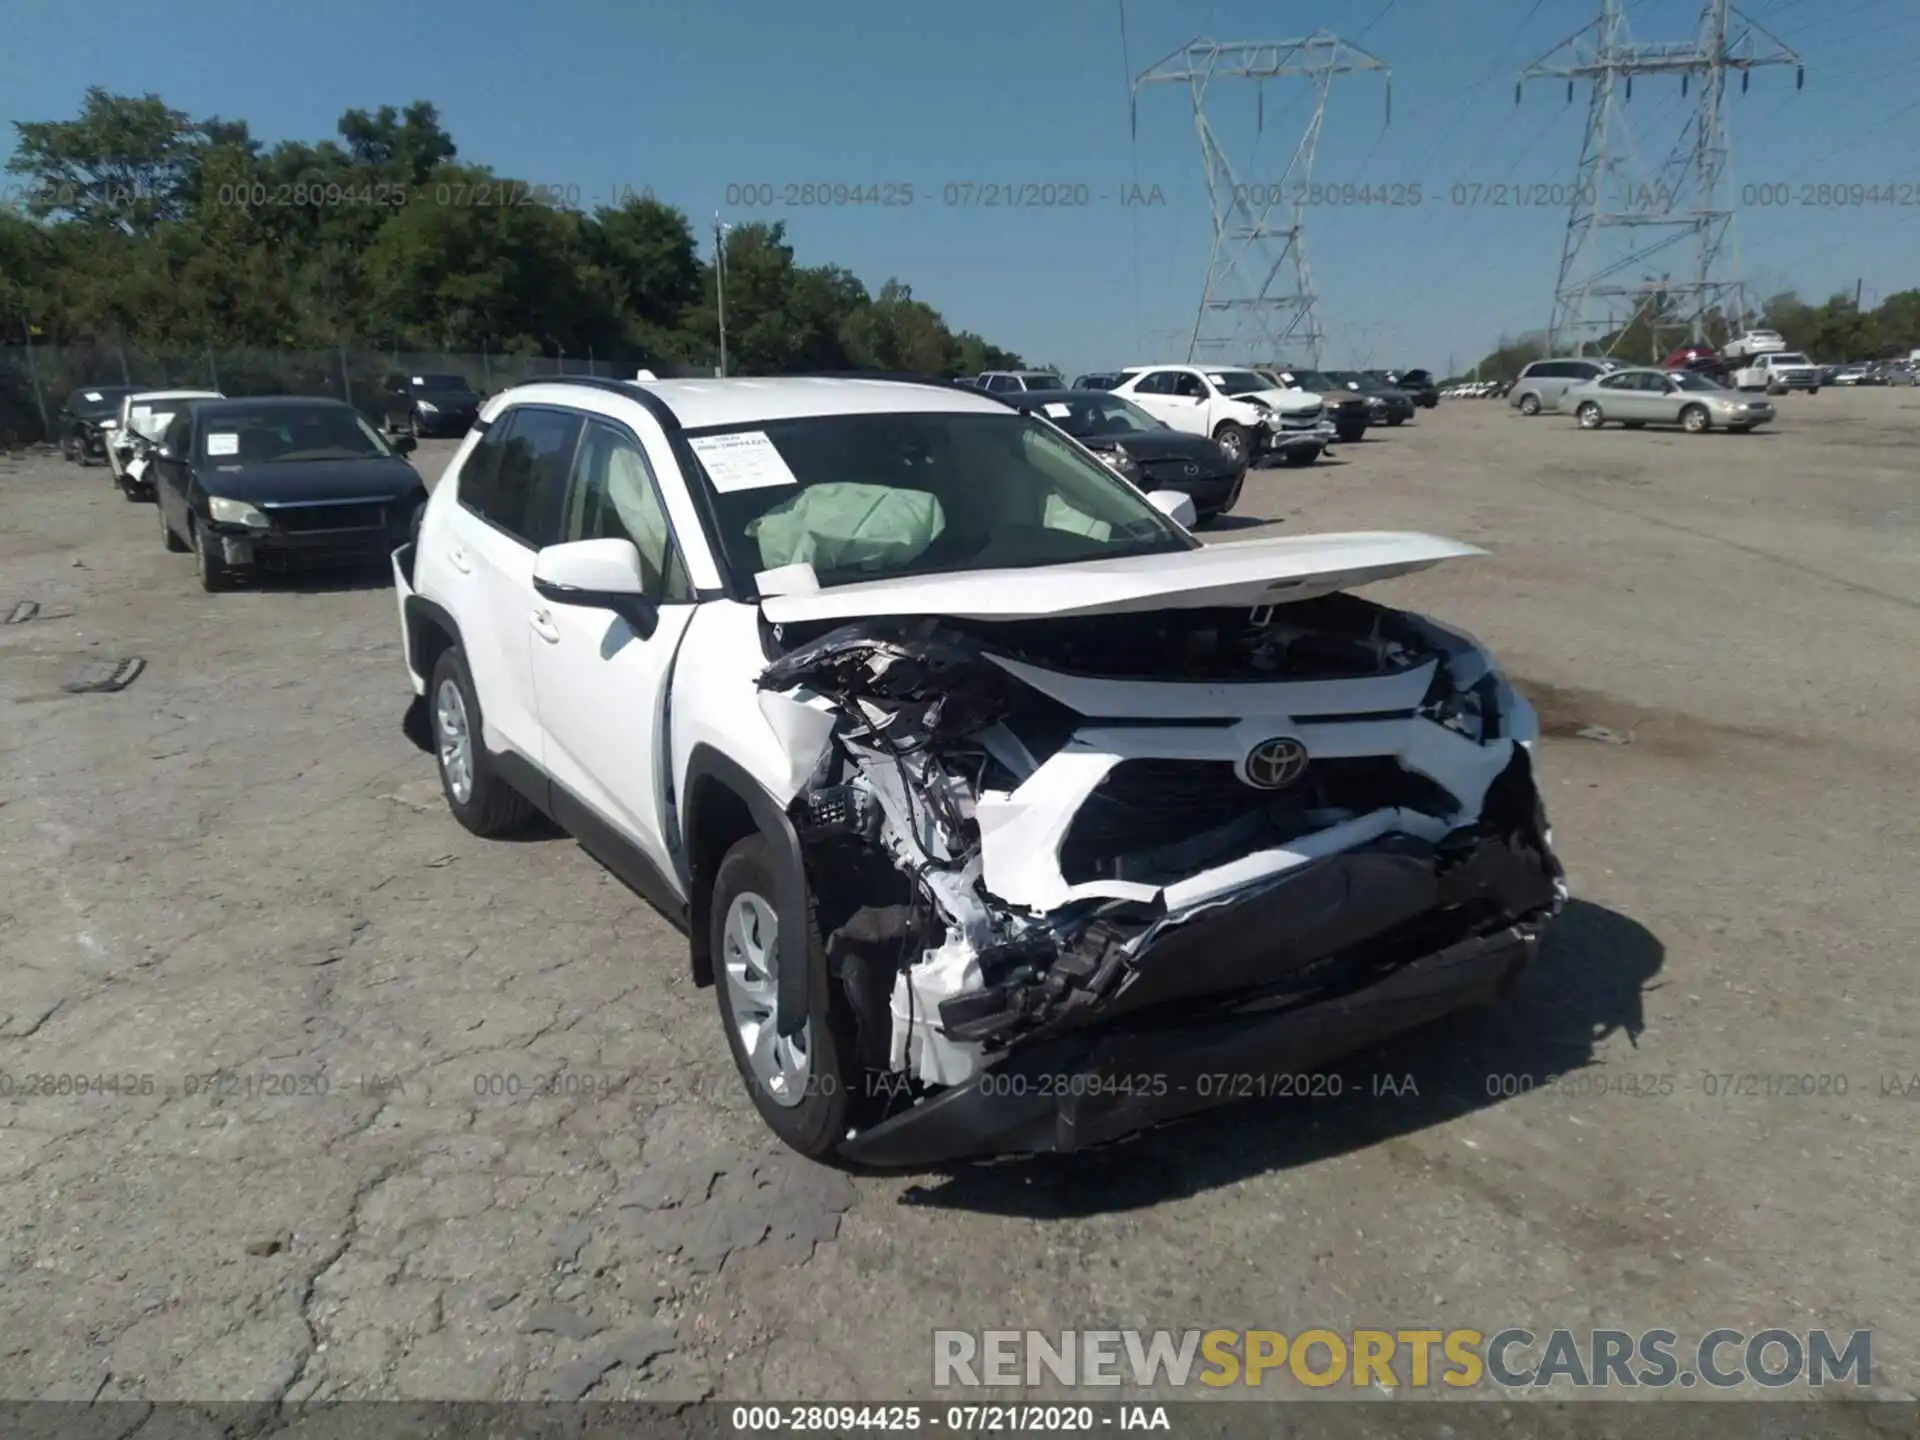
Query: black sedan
{"x":1388,"y":402}
{"x":88,"y":419}
{"x":428,"y":405}
{"x":279,"y":484}
{"x":1153,"y":456}
{"x":1420,"y":385}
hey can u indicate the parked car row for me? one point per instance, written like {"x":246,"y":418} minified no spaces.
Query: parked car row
{"x":908,"y":711}
{"x":266,"y":483}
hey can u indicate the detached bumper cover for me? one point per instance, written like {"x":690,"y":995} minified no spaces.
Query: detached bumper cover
{"x":1287,"y":977}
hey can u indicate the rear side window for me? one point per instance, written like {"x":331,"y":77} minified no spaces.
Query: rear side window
{"x":516,"y":477}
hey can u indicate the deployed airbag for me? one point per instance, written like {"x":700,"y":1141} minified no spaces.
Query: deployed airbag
{"x":848,"y":526}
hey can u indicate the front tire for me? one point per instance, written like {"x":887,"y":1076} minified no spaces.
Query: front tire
{"x":1236,"y":440}
{"x":215,"y":574}
{"x":805,"y":1086}
{"x":480,"y":800}
{"x":1590,"y":416}
{"x":173,"y":542}
{"x":1695,"y":420}
{"x":1396,"y":420}
{"x":1529,"y":404}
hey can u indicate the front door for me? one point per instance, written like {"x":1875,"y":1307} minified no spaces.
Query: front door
{"x":602,"y":685}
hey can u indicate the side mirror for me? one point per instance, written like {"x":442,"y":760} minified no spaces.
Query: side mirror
{"x":1176,"y":506}
{"x":599,"y":575}
{"x":404,"y":444}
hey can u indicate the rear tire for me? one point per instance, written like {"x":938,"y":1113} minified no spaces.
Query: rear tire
{"x":822,"y":1087}
{"x":1529,"y":404}
{"x":480,"y":800}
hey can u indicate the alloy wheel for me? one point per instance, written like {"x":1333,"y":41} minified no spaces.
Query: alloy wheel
{"x":750,"y":944}
{"x":453,"y":740}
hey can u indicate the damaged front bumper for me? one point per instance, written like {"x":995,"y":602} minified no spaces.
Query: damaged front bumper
{"x":1054,"y":946}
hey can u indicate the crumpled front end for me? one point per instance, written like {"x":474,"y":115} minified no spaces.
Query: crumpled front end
{"x":1086,"y":842}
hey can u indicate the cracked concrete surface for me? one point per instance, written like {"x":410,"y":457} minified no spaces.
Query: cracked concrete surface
{"x":377,"y":1109}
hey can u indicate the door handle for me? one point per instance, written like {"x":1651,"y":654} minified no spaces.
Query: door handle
{"x":543,"y":626}
{"x":460,"y":560}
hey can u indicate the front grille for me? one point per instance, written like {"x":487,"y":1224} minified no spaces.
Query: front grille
{"x":1148,"y":805}
{"x":305,"y":519}
{"x":1302,"y":419}
{"x":1177,"y":470}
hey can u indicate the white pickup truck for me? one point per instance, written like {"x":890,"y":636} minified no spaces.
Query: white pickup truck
{"x":1776,"y":372}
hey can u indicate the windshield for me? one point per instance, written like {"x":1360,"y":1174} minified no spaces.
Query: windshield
{"x":455,"y":383}
{"x":1694,"y":380}
{"x":869,"y":497}
{"x":1314,"y":380}
{"x":1041,"y":380}
{"x":287,"y":434}
{"x":1791,"y":357}
{"x":1238,"y":382}
{"x":1085,"y":417}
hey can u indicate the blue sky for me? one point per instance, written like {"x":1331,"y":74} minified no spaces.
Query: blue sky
{"x":690,"y":98}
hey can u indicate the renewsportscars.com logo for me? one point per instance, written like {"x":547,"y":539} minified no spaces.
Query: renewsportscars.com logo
{"x":1392,"y":1360}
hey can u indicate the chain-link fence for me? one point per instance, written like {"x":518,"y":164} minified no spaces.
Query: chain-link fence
{"x":36,"y":380}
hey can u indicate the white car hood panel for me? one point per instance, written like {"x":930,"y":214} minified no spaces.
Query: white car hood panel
{"x":1248,"y":572}
{"x":1288,"y":402}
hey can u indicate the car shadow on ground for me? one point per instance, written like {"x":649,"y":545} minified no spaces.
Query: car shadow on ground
{"x":1238,"y":522}
{"x":329,"y":582}
{"x":1585,"y":985}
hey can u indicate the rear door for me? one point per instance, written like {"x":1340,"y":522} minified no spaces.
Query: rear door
{"x":510,"y":492}
{"x":602,"y":686}
{"x":1153,"y":393}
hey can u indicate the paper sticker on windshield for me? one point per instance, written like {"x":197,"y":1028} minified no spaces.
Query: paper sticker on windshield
{"x":419,"y":379}
{"x":93,"y":395}
{"x":226,"y":444}
{"x":1057,"y":411}
{"x":746,"y":461}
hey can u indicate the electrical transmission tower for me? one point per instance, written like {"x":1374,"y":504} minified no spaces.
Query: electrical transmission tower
{"x":1605,"y":285}
{"x":1247,"y":314}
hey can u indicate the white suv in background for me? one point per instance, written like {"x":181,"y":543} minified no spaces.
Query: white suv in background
{"x":996,"y":808}
{"x":1246,"y":412}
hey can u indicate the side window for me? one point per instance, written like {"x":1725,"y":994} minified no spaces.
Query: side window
{"x":1616,"y":382}
{"x":522,"y":482}
{"x":179,"y":434}
{"x":1158,"y":382}
{"x":613,"y":495}
{"x":1189,"y":385}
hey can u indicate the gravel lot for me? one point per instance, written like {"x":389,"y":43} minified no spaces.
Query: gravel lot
{"x":239,"y":864}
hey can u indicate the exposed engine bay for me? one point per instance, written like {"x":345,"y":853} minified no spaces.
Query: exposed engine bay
{"x":1024,"y":828}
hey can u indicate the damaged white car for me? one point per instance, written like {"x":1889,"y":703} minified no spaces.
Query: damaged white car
{"x":1002,"y":814}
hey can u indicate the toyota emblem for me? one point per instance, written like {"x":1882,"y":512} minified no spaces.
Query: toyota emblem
{"x":1275,"y":764}
{"x":1190,"y":470}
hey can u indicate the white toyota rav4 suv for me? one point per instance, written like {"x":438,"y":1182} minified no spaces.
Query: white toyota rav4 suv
{"x":999,"y":811}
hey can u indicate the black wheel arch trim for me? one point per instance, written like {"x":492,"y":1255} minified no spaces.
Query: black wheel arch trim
{"x":791,"y":905}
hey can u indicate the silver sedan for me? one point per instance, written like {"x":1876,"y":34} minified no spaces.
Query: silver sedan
{"x":1644,"y":396}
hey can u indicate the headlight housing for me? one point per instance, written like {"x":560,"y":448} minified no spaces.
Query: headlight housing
{"x":427,"y":407}
{"x":1118,"y":459}
{"x":235,"y":512}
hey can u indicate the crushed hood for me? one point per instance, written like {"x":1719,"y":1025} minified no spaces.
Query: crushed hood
{"x":1248,"y":572}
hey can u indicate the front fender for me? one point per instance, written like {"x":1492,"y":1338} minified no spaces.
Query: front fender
{"x":709,"y":770}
